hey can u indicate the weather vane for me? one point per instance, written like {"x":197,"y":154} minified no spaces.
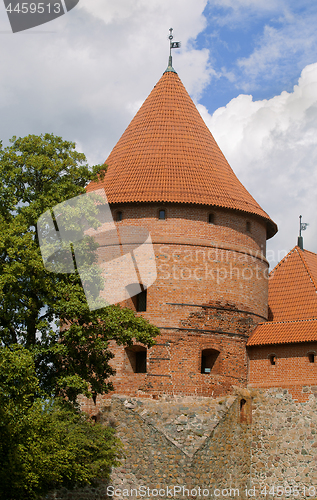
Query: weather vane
{"x":173,"y":45}
{"x":302,"y":227}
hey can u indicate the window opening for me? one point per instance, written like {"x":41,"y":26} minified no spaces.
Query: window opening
{"x":119,"y":216}
{"x":136,"y":359}
{"x":248,"y":226}
{"x":243,"y":414}
{"x":272,"y":359}
{"x":211,"y":218}
{"x":311,"y":357}
{"x":208,"y":359}
{"x":141,"y":299}
{"x":162,"y":214}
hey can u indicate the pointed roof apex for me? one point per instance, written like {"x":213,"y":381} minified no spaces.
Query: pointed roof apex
{"x":173,"y":45}
{"x":170,"y":67}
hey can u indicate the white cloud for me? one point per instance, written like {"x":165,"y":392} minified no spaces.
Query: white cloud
{"x":272,"y":147}
{"x":90,"y":69}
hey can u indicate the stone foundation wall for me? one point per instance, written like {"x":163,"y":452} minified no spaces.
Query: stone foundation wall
{"x":252,"y":444}
{"x":188,"y":443}
{"x":284,"y":443}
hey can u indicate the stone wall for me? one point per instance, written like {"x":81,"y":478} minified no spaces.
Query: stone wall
{"x":188,"y":443}
{"x":284,"y":443}
{"x":259,"y":440}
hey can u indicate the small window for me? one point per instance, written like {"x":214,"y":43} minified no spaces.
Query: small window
{"x":248,"y":226}
{"x":140,"y":301}
{"x":162,"y":215}
{"x":311,"y":357}
{"x":242,"y":410}
{"x":272,"y":359}
{"x":208,"y":360}
{"x":118,"y":216}
{"x":211,"y":218}
{"x":136,"y":359}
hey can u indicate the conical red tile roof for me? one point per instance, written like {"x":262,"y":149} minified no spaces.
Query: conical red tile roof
{"x":167,"y":154}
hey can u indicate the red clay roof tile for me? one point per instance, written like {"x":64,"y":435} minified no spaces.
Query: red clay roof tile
{"x":293,"y":287}
{"x":284,"y":332}
{"x":167,"y":154}
{"x":292,"y":301}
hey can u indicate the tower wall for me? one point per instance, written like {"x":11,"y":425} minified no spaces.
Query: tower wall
{"x":210,"y":293}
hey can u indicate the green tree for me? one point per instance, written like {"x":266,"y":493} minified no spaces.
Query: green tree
{"x":38,"y":172}
{"x":45,"y":443}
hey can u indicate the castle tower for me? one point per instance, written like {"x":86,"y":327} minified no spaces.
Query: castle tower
{"x":168,"y":175}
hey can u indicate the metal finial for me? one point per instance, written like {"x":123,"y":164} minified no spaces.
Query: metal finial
{"x":302,"y":227}
{"x":173,"y":45}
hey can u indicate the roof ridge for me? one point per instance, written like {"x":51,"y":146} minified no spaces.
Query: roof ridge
{"x":281,"y":261}
{"x":300,"y":252}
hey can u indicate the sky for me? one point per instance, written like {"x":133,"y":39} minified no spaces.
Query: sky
{"x":249,"y":65}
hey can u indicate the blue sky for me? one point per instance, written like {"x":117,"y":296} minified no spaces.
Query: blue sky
{"x":255,"y":48}
{"x":249,"y":65}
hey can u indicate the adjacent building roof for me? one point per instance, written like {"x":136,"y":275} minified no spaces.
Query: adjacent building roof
{"x":167,"y":154}
{"x":292,"y":301}
{"x":284,"y":332}
{"x":293,"y":287}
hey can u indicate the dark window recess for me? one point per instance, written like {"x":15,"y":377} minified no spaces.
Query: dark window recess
{"x":141,"y":301}
{"x":136,"y":357}
{"x":311,"y":357}
{"x":248,"y":226}
{"x":243,"y":415}
{"x":211,"y":218}
{"x":162,"y":214}
{"x":118,"y":216}
{"x":272,"y":359}
{"x":208,"y":359}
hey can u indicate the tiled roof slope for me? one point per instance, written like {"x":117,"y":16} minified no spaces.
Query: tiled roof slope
{"x":284,"y":332}
{"x":167,"y":154}
{"x":292,"y":301}
{"x":293,"y":287}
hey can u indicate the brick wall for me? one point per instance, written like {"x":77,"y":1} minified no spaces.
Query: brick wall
{"x":210,"y":292}
{"x":293,"y":368}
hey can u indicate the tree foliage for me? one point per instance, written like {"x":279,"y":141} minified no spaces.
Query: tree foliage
{"x":38,"y":172}
{"x":45,"y":443}
{"x":52,"y":347}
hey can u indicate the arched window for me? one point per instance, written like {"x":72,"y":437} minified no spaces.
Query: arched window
{"x":162,"y":215}
{"x":242,"y":410}
{"x":135,"y":359}
{"x":208,"y":360}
